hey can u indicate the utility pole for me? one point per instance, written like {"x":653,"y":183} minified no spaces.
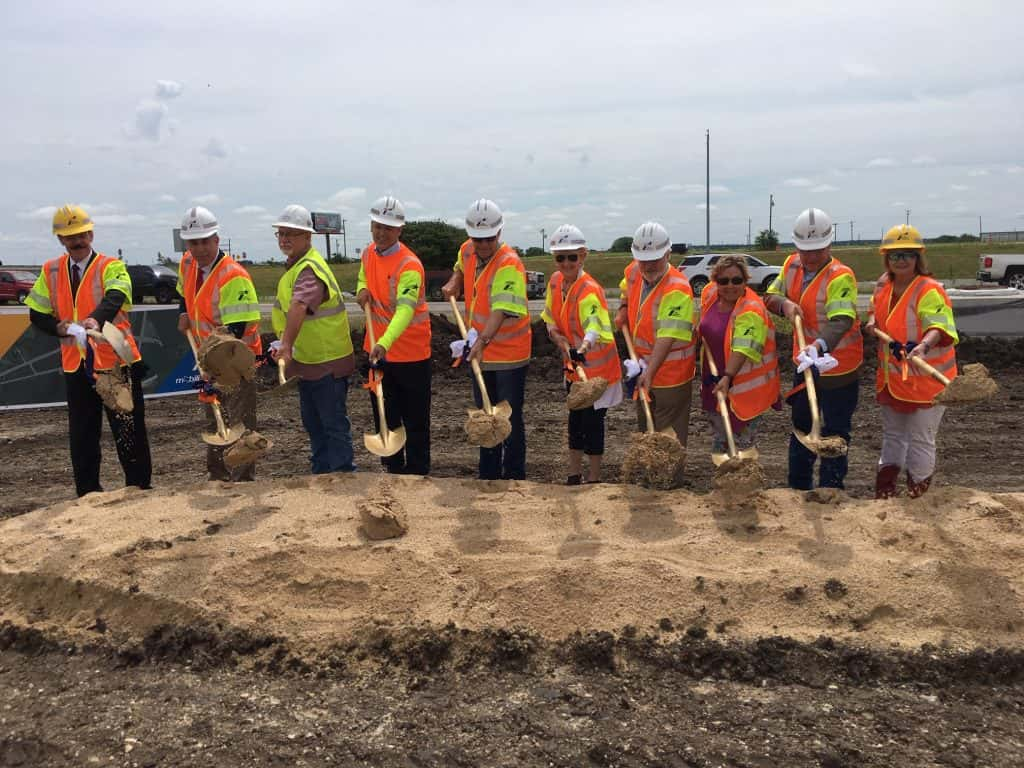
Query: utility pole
{"x":344,"y":239}
{"x":707,"y":187}
{"x":229,"y":247}
{"x":771,"y":204}
{"x":979,"y":227}
{"x":543,"y":238}
{"x":851,"y":231}
{"x":908,"y":217}
{"x":748,"y":231}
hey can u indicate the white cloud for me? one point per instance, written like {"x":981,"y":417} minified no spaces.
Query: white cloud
{"x":881,"y":162}
{"x":168,"y":89}
{"x":39,"y":214}
{"x":412,"y":205}
{"x":977,"y":172}
{"x":1015,"y":169}
{"x":898,"y":204}
{"x":701,"y":206}
{"x":959,"y":187}
{"x":119,"y":219}
{"x":167,"y":199}
{"x":345,"y":198}
{"x":22,"y":239}
{"x":798,"y":182}
{"x":149,"y":121}
{"x":924,"y":160}
{"x":614,"y":215}
{"x":250,"y":209}
{"x":215,"y":149}
{"x":674,"y":187}
{"x":825,"y":188}
{"x":859,"y":69}
{"x":618,"y":206}
{"x":210,"y":199}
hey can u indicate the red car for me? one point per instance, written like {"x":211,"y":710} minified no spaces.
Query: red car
{"x":15,"y":285}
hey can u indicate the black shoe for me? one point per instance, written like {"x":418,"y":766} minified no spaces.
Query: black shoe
{"x":574,"y":480}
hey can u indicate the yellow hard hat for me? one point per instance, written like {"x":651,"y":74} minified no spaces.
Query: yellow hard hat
{"x":902,"y":236}
{"x":71,"y":220}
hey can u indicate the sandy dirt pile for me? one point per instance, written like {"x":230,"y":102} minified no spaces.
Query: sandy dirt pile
{"x":250,"y":447}
{"x":293,"y":559}
{"x":653,"y":460}
{"x":486,"y":430}
{"x":114,"y":390}
{"x":227,"y":359}
{"x":583,"y":394}
{"x":971,"y":386}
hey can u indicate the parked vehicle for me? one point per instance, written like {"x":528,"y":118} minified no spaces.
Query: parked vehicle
{"x":536,"y":285}
{"x":697,"y":269}
{"x":1003,"y":268}
{"x":156,"y":281}
{"x":15,"y":285}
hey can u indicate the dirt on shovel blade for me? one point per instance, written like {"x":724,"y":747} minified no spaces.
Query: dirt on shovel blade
{"x":971,"y":386}
{"x":251,"y":447}
{"x":654,"y":460}
{"x":583,"y":394}
{"x":485,"y":430}
{"x":114,"y":390}
{"x":227,"y":359}
{"x":740,"y":477}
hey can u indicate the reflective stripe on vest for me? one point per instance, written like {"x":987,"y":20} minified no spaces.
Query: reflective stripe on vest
{"x":849,"y":351}
{"x":680,"y":363}
{"x":603,"y":357}
{"x":203,"y":308}
{"x":324,"y":334}
{"x":510,"y":346}
{"x":904,"y":324}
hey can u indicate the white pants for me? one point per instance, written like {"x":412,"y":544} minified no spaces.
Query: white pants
{"x":908,"y":439}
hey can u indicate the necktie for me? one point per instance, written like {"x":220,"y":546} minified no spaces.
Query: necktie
{"x":76,"y":278}
{"x":200,"y":276}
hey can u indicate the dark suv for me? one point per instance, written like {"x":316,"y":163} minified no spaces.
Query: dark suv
{"x":157,"y":281}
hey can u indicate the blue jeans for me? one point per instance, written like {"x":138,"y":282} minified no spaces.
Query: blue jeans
{"x":325,"y":417}
{"x":837,"y":407}
{"x":506,"y":460}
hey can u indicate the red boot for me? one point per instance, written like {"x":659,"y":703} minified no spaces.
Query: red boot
{"x":917,"y":488}
{"x":885,"y":481}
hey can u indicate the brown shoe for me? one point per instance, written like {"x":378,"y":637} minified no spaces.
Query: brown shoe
{"x":885,"y":481}
{"x":917,"y":488}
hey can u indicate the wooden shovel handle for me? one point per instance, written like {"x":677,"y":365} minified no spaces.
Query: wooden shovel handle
{"x":644,"y":397}
{"x":472,"y":363}
{"x":195,"y":351}
{"x":378,"y":390}
{"x":723,"y":409}
{"x":924,"y":365}
{"x":812,"y":395}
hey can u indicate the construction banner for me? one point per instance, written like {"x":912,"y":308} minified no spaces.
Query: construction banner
{"x":30,"y":369}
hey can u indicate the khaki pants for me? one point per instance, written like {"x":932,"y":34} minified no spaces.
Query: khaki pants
{"x":237,"y":407}
{"x":670,"y":407}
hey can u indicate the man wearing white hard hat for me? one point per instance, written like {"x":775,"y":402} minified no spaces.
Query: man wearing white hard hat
{"x":390,"y":289}
{"x":657,"y":308}
{"x":491,"y":276}
{"x":217,"y":292}
{"x":311,"y":324}
{"x":823,"y":292}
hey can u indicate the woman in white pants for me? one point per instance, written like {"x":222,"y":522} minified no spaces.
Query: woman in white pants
{"x":911,"y":307}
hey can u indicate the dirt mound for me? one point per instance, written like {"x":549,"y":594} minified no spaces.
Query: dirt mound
{"x":227,"y":360}
{"x":114,"y":390}
{"x":251,"y":447}
{"x":486,"y":430}
{"x":382,"y":515}
{"x":583,"y":394}
{"x":653,"y":460}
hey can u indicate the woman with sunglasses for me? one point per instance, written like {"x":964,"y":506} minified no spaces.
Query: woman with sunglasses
{"x":578,"y":323}
{"x":739,"y":335}
{"x":913,"y":308}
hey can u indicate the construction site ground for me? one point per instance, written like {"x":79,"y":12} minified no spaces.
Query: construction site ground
{"x":516,"y":623}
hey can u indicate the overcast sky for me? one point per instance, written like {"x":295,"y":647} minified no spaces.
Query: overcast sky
{"x":586,"y":113}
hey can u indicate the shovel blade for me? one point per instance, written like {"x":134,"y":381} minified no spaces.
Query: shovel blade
{"x":502,"y":410}
{"x":231,"y":436}
{"x":386,"y":443}
{"x":718,"y":459}
{"x":117,"y":340}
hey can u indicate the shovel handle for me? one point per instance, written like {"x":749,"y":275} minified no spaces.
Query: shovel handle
{"x":924,"y":365}
{"x":473,"y":363}
{"x":723,"y":410}
{"x":378,"y":390}
{"x":195,"y":351}
{"x":218,"y":417}
{"x":644,"y":397}
{"x":812,"y":395}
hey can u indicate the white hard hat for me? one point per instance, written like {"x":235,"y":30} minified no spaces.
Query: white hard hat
{"x":198,"y":223}
{"x":295,"y":217}
{"x":650,"y":242}
{"x":388,"y":211}
{"x":483,"y":219}
{"x":812,"y":230}
{"x":567,"y":238}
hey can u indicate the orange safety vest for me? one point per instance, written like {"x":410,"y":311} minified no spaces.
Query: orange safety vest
{"x":602,"y":358}
{"x":755,"y":388}
{"x":382,"y":274}
{"x":82,"y":305}
{"x":849,"y":351}
{"x":680,"y":363}
{"x":903,"y":323}
{"x":203,"y":308}
{"x":510,"y":346}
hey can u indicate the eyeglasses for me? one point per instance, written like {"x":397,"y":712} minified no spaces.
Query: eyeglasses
{"x":901,"y":255}
{"x":287,"y":235}
{"x":738,"y":280}
{"x":484,"y":239}
{"x":572,"y":257}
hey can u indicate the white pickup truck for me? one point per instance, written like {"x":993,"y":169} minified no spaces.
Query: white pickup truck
{"x":1003,"y":268}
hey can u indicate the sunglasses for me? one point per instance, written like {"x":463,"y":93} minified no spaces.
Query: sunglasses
{"x":901,"y":255}
{"x":738,"y":280}
{"x":572,"y":257}
{"x":484,"y":239}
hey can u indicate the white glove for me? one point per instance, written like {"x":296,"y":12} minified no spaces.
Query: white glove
{"x":634,"y":367}
{"x":591,"y":337}
{"x":459,"y":345}
{"x":275,"y":345}
{"x":826,"y":363}
{"x":810,"y":356}
{"x":78,"y":331}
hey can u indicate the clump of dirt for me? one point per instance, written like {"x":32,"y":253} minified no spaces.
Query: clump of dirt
{"x":834,"y":589}
{"x":114,"y":390}
{"x":825,"y":495}
{"x":227,"y":360}
{"x":831,"y":447}
{"x":653,"y":459}
{"x":740,"y":477}
{"x":486,"y":430}
{"x":382,"y":515}
{"x":971,"y":386}
{"x":583,"y":394}
{"x":250,"y":447}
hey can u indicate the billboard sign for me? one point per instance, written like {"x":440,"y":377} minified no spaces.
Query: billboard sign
{"x":326,"y":223}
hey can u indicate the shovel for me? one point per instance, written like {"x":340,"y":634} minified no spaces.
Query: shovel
{"x":645,"y":398}
{"x":501,"y":412}
{"x":386,"y":443}
{"x":585,"y":392}
{"x":283,"y":384}
{"x":113,"y":336}
{"x":961,"y":390}
{"x":718,"y":459}
{"x":224,"y":436}
{"x":826,"y":447}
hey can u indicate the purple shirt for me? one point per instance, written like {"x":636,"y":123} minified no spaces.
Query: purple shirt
{"x":713,"y":325}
